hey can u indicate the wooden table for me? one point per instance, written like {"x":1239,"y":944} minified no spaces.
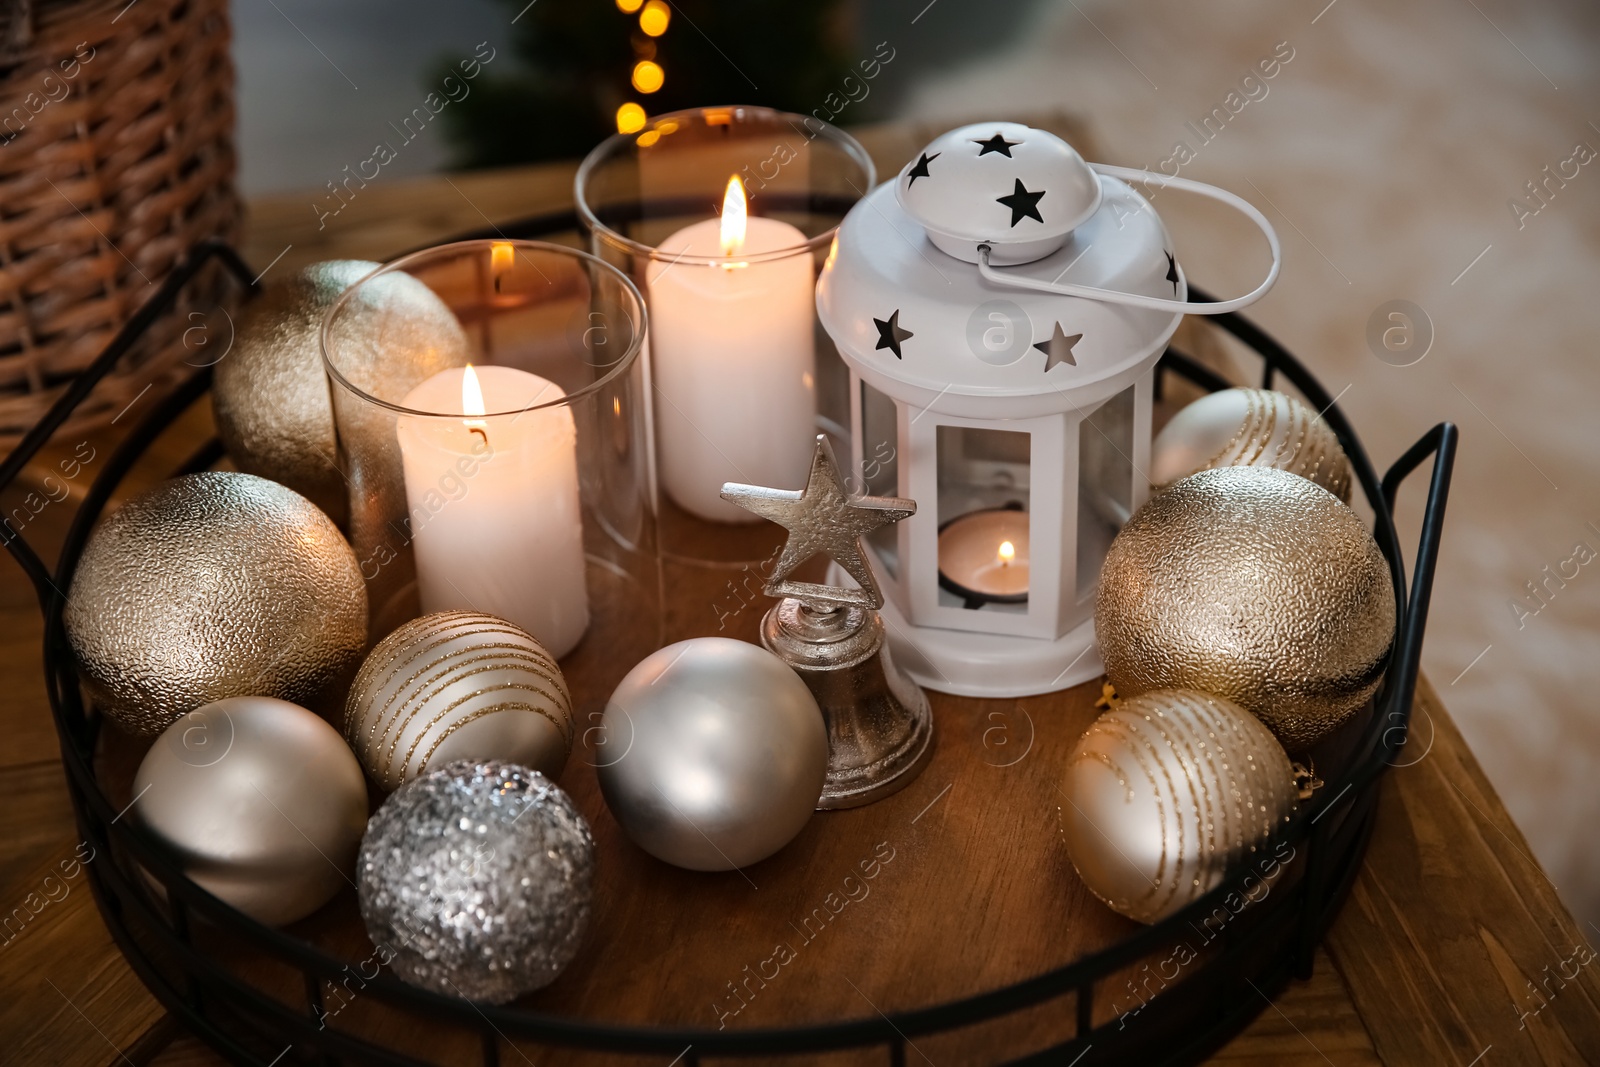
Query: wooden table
{"x":1453,"y":947}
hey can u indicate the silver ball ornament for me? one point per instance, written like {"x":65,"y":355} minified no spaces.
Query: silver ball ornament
{"x":714,"y":754}
{"x":1165,"y":793}
{"x":458,"y":685}
{"x":261,"y":802}
{"x":214,"y":585}
{"x":1255,"y":585}
{"x":270,"y":394}
{"x":1250,"y":428}
{"x":476,"y":880}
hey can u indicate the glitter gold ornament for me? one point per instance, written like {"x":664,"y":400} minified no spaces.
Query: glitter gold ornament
{"x":214,"y":585}
{"x":1166,"y":792}
{"x":260,"y":801}
{"x":1250,"y":428}
{"x":476,"y":879}
{"x":271,"y":392}
{"x":1253,"y":584}
{"x":458,"y":685}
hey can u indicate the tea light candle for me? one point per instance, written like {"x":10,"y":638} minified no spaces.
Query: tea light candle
{"x":983,"y":557}
{"x":731,"y":349}
{"x":493,"y":501}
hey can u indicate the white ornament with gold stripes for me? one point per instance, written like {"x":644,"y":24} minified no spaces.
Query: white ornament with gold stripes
{"x":458,"y":685}
{"x":1250,"y":428}
{"x":1165,"y":793}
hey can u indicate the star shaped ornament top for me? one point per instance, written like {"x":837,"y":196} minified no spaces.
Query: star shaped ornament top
{"x":822,"y":519}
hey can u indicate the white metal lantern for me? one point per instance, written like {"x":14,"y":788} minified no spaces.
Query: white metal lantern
{"x":1001,"y":305}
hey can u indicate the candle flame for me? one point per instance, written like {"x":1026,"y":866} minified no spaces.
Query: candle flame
{"x":472,"y":398}
{"x":1007,"y":553}
{"x":501,"y":258}
{"x":733,"y":217}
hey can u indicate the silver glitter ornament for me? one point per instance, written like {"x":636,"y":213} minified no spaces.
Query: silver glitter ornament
{"x":1165,"y":792}
{"x":1250,"y":428}
{"x":476,"y":880}
{"x":271,"y":392}
{"x":261,"y":802}
{"x":458,"y":685}
{"x":1253,"y":584}
{"x":713,"y":754}
{"x":214,"y":585}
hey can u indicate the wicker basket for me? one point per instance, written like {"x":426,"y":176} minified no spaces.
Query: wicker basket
{"x":116,"y":155}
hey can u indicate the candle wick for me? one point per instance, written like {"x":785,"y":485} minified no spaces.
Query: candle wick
{"x":481,"y":432}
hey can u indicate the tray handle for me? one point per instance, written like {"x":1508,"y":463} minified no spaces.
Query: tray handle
{"x":35,"y":439}
{"x":1440,"y":443}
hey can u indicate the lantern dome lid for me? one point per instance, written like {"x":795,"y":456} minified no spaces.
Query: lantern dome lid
{"x":1017,"y":189}
{"x":926,"y":328}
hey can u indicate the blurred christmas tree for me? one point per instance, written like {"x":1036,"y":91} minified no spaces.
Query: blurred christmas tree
{"x":587,"y":68}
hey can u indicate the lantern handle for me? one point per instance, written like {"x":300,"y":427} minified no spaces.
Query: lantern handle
{"x":1155,"y":303}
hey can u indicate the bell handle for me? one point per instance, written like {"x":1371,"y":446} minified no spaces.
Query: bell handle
{"x":1010,"y":280}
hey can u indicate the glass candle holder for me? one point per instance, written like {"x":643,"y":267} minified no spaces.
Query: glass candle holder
{"x":489,"y":401}
{"x":722,"y":217}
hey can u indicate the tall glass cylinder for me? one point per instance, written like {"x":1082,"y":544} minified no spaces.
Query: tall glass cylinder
{"x":490,"y":405}
{"x":722,"y":217}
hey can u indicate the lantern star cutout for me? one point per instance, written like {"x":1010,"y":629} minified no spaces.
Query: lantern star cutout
{"x":1023,"y":204}
{"x":921,"y":169}
{"x":997,"y":143}
{"x":823,"y":519}
{"x":1058,"y":348}
{"x":891,"y":334}
{"x":1172,"y":271}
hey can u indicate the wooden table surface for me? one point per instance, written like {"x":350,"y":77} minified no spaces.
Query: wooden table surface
{"x":1453,"y":947}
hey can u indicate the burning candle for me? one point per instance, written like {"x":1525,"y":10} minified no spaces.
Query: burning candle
{"x":732,"y":354}
{"x":493,"y":501}
{"x":983,"y":557}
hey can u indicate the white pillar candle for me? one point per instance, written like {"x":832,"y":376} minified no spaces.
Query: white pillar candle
{"x":493,"y":501}
{"x":732,"y":346}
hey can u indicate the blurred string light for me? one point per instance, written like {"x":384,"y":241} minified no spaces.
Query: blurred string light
{"x":648,"y":75}
{"x":630,"y":118}
{"x":654,"y":18}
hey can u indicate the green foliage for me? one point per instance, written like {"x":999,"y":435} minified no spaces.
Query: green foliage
{"x":558,"y":96}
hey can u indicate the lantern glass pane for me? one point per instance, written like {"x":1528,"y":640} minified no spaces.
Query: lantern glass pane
{"x":1105,"y":483}
{"x":880,"y":469}
{"x":983,"y":517}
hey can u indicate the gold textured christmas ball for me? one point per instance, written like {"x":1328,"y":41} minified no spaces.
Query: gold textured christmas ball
{"x":261,"y":802}
{"x":1165,"y":793}
{"x":1250,"y":428}
{"x":458,"y":685}
{"x":271,"y":391}
{"x":1253,"y":584}
{"x":214,"y":585}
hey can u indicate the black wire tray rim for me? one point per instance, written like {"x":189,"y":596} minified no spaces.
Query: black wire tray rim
{"x":77,"y":743}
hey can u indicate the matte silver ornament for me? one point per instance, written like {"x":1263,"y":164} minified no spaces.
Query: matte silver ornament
{"x":458,"y":685}
{"x":476,"y":880}
{"x":1250,"y":428}
{"x":271,"y":396}
{"x":1166,"y":792}
{"x":261,"y":802}
{"x":1253,"y":584}
{"x":214,"y":585}
{"x":713,"y":754}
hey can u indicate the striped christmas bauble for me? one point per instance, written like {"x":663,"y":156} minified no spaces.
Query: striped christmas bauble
{"x":1250,"y":428}
{"x":1168,"y":791}
{"x":458,"y":685}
